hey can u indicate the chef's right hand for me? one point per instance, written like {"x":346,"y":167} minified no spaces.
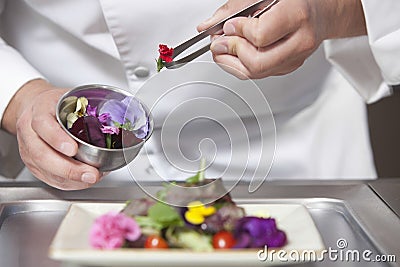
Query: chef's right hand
{"x":44,"y":147}
{"x":282,"y":39}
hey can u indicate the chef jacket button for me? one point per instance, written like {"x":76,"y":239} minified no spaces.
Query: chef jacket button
{"x":141,"y":72}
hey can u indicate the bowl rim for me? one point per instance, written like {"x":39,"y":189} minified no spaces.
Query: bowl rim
{"x":110,"y":88}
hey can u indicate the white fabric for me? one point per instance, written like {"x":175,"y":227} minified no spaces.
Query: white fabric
{"x":370,"y":62}
{"x":15,"y":72}
{"x":320,"y":120}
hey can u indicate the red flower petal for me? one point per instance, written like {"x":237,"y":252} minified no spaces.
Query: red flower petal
{"x":166,"y":53}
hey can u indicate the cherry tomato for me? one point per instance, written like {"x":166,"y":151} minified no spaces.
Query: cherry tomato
{"x":155,"y":241}
{"x":223,"y":240}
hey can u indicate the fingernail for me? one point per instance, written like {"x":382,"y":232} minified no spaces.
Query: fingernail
{"x":219,"y":49}
{"x":89,"y":178}
{"x":229,"y":29}
{"x":67,"y":149}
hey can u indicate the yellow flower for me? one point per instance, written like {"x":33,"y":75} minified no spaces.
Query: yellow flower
{"x":197,"y":212}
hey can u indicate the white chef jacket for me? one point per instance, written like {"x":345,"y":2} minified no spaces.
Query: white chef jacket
{"x":321,"y":126}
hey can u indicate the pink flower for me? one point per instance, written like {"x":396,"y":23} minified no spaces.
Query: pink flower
{"x":110,"y":230}
{"x":110,"y":129}
{"x":91,"y":111}
{"x":104,"y":118}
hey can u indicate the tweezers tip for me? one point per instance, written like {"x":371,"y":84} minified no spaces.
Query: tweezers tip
{"x":174,"y":64}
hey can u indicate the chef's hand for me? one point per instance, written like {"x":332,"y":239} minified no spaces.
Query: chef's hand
{"x":280,"y":40}
{"x":44,"y":147}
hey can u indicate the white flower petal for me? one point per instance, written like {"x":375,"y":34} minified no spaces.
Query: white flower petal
{"x":71,"y":118}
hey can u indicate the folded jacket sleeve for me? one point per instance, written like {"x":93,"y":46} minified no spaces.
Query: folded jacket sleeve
{"x":371,"y":63}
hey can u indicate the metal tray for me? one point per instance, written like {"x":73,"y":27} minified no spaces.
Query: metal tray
{"x":349,"y":213}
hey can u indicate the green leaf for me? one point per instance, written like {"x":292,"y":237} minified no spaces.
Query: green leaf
{"x":148,"y":222}
{"x":190,"y":239}
{"x":194,"y":179}
{"x":161,"y":194}
{"x":165,"y":215}
{"x":199,"y":177}
{"x":160,"y":64}
{"x":125,"y":126}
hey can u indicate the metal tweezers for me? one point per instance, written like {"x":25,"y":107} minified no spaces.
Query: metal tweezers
{"x":262,"y":6}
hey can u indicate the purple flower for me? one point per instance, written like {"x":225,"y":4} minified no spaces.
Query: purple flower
{"x":116,"y":109}
{"x":255,"y":232}
{"x":110,"y":231}
{"x":91,"y":111}
{"x":129,"y":113}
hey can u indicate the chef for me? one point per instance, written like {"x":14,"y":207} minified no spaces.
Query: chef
{"x":308,"y":123}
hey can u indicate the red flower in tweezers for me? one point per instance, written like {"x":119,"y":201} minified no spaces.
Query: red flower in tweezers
{"x":166,"y":53}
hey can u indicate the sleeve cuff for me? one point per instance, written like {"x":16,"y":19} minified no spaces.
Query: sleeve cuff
{"x":383,"y":26}
{"x":15,"y":71}
{"x":353,"y":58}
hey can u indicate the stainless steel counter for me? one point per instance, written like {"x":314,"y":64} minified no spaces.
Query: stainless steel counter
{"x":389,"y":191}
{"x":354,"y":211}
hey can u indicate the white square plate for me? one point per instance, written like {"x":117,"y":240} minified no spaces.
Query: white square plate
{"x":71,"y":243}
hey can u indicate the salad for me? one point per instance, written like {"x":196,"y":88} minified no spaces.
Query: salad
{"x":199,"y":226}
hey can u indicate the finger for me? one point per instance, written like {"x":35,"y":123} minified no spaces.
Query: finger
{"x":47,"y":177}
{"x":257,"y":62}
{"x":269,"y":28}
{"x":57,"y":182}
{"x":232,"y":65}
{"x":49,"y":161}
{"x":64,"y":184}
{"x":237,"y":47}
{"x":216,"y":17}
{"x":225,"y":54}
{"x":223,"y":12}
{"x":46,"y":126}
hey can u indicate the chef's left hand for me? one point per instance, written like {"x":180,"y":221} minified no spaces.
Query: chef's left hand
{"x":280,"y":40}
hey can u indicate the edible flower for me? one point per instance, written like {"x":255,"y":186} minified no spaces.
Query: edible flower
{"x":127,"y":114}
{"x":255,"y":232}
{"x":197,"y":212}
{"x":80,"y":110}
{"x":166,"y":55}
{"x":109,"y":129}
{"x":103,"y":128}
{"x":110,"y":231}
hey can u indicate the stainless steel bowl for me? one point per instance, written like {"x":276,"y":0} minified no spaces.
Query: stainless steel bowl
{"x":104,"y":159}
